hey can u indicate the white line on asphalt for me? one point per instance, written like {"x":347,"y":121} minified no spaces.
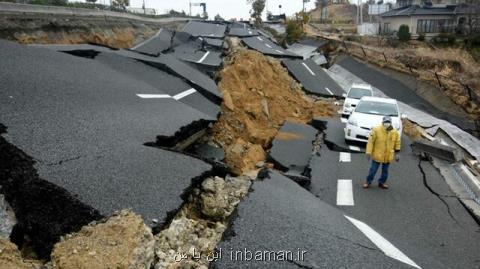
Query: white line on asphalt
{"x":184,"y":94}
{"x":345,"y":157}
{"x":329,"y":91}
{"x":279,"y":51}
{"x":204,"y":57}
{"x":355,"y":148}
{"x":268,"y":45}
{"x":343,"y":120}
{"x":382,"y":243}
{"x":308,"y":68}
{"x":259,"y":38}
{"x":157,"y":34}
{"x":345,"y":192}
{"x":152,"y":96}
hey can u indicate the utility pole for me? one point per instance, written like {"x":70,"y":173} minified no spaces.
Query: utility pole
{"x":280,"y":9}
{"x":143,"y":6}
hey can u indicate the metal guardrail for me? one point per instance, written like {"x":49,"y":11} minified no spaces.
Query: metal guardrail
{"x":438,"y":150}
{"x":14,"y":8}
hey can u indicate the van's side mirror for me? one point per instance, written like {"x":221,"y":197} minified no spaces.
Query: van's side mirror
{"x":344,"y":95}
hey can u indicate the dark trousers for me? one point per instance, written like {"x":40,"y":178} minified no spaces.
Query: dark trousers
{"x":373,"y":171}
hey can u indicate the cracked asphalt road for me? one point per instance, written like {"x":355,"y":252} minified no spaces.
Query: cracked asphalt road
{"x":279,"y":215}
{"x":84,"y":125}
{"x":422,"y":218}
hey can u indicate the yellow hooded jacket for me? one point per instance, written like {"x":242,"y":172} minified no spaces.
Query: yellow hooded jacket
{"x":382,"y":144}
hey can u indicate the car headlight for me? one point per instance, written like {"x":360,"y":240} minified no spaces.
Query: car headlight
{"x":352,"y":121}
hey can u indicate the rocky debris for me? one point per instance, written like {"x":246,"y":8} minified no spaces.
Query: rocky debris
{"x":122,"y":241}
{"x":260,"y":97}
{"x":11,"y":258}
{"x":242,"y":156}
{"x":197,"y":229}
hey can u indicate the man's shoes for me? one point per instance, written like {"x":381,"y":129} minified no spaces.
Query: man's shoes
{"x":366,"y":185}
{"x":383,"y":186}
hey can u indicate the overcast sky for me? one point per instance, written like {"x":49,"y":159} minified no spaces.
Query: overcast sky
{"x":228,"y":9}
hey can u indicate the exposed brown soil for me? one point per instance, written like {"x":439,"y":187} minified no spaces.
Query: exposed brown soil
{"x":122,"y":242}
{"x":411,"y":130}
{"x":116,"y":37}
{"x":453,"y":65}
{"x":259,"y":95}
{"x":11,"y":258}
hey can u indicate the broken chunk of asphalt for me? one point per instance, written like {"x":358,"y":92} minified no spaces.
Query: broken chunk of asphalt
{"x":242,"y":32}
{"x":161,"y":80}
{"x":103,"y":122}
{"x":313,"y":78}
{"x":435,"y":149}
{"x":265,"y":232}
{"x":171,"y":64}
{"x":267,"y":47}
{"x":205,"y":29}
{"x":207,"y":151}
{"x":334,"y":131}
{"x":291,"y":150}
{"x":44,"y":211}
{"x":157,"y":44}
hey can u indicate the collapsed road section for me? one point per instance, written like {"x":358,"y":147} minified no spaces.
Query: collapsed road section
{"x":82,"y":127}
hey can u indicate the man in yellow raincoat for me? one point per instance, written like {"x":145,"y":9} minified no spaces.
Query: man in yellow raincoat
{"x":382,"y":144}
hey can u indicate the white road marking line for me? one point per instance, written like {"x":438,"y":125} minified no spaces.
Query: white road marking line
{"x":153,"y":96}
{"x":279,"y":51}
{"x":345,"y":157}
{"x":204,"y":57}
{"x":382,"y":243}
{"x":259,"y":38}
{"x":138,"y":45}
{"x":345,"y":192}
{"x":355,"y":148}
{"x":268,"y":45}
{"x":308,"y":68}
{"x":184,"y":94}
{"x":329,"y":91}
{"x":343,"y":120}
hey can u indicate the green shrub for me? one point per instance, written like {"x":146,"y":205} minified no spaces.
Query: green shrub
{"x":294,"y":31}
{"x":404,"y":33}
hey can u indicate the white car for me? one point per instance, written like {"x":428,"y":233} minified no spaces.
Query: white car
{"x":369,"y":113}
{"x":356,"y":92}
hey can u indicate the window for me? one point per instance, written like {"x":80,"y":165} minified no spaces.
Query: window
{"x":386,"y":28}
{"x":357,"y":93}
{"x":377,"y":108}
{"x":435,"y":26}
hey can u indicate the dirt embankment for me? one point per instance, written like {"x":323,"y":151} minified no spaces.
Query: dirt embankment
{"x":43,"y":29}
{"x":452,"y":66}
{"x":259,"y":95}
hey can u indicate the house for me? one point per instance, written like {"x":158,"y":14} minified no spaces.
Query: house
{"x":427,"y":17}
